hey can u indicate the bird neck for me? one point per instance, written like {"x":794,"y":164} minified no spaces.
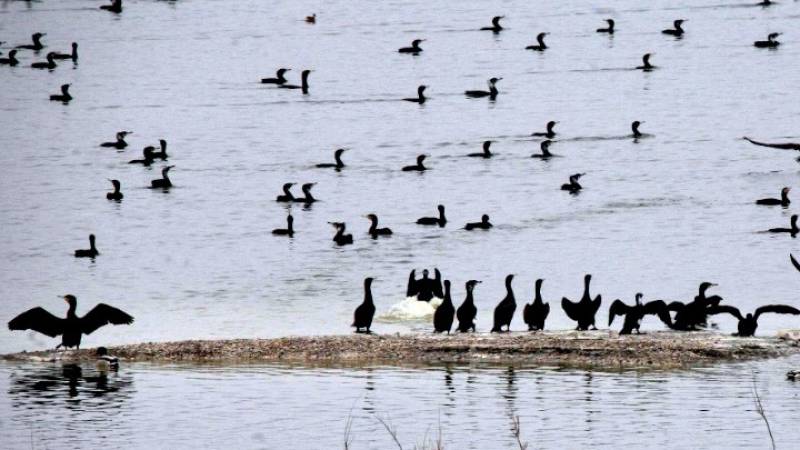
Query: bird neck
{"x":373,"y":225}
{"x":71,"y":310}
{"x":367,"y":294}
{"x":338,"y":158}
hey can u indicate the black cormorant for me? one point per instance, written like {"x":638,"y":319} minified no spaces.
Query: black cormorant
{"x":50,"y":64}
{"x":549,"y":134}
{"x":420,"y":98}
{"x":307,"y":198}
{"x":72,"y":55}
{"x":441,"y":220}
{"x":163,"y":182}
{"x":467,"y":311}
{"x":484,"y":224}
{"x":536,"y":313}
{"x":414,"y":49}
{"x":148,"y":157}
{"x":337,"y":156}
{"x":504,"y":311}
{"x":573,"y":186}
{"x":287,"y":196}
{"x":418,"y":167}
{"x":11,"y":60}
{"x":491,"y":93}
{"x":340,"y":237}
{"x":545,"y":146}
{"x":279,"y":77}
{"x":609,"y":29}
{"x":793,"y":230}
{"x":91,"y":252}
{"x":646,"y":66}
{"x":694,"y":315}
{"x":37,"y":42}
{"x":769,"y":43}
{"x":443,"y":316}
{"x":635,"y":129}
{"x":303,"y":82}
{"x":374,"y":231}
{"x":425,"y":288}
{"x":748,"y":324}
{"x":784,"y":146}
{"x":540,"y":46}
{"x":114,"y":7}
{"x":116,"y":195}
{"x":783,"y":201}
{"x":634,"y":314}
{"x":120,"y":143}
{"x":496,"y":28}
{"x":362,"y":318}
{"x":163,"y":153}
{"x":64,"y":96}
{"x":677,"y":30}
{"x":584,"y":310}
{"x":485,"y":153}
{"x":288,"y":231}
{"x":312,"y":18}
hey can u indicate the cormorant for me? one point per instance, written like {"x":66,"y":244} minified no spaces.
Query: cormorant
{"x":424,"y":288}
{"x":634,"y":314}
{"x":163,"y":153}
{"x":337,"y":155}
{"x":307,"y":197}
{"x":504,"y":311}
{"x":73,"y":55}
{"x":536,"y":313}
{"x":163,"y":182}
{"x":485,"y":153}
{"x":114,"y":7}
{"x":583,"y":311}
{"x":677,"y":31}
{"x":635,"y":128}
{"x":545,"y":146}
{"x":64,"y":96}
{"x":541,"y":46}
{"x":362,"y":318}
{"x":418,"y":167}
{"x":50,"y":64}
{"x":420,"y":98}
{"x":37,"y":42}
{"x":692,"y":315}
{"x":786,"y":146}
{"x":793,"y":230}
{"x":279,"y":77}
{"x":573,"y":186}
{"x":303,"y":82}
{"x":414,"y":49}
{"x":484,"y":224}
{"x":646,"y":66}
{"x":748,"y":324}
{"x":441,"y":220}
{"x":467,"y":311}
{"x":769,"y":43}
{"x":312,"y":18}
{"x":443,"y":316}
{"x":116,"y":195}
{"x":72,"y":327}
{"x":120,"y":143}
{"x":11,"y":60}
{"x":340,"y":238}
{"x":491,"y":93}
{"x":609,"y":29}
{"x":374,"y":231}
{"x":90,"y":253}
{"x":288,"y":231}
{"x":549,"y":134}
{"x":286,"y":196}
{"x":148,"y":157}
{"x":783,"y":201}
{"x":495,"y":28}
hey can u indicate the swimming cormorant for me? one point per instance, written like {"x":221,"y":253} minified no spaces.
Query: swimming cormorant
{"x":337,"y":155}
{"x":748,"y":324}
{"x":783,"y":201}
{"x":504,"y":311}
{"x":635,"y":128}
{"x":425,"y":288}
{"x":496,"y":28}
{"x":37,"y":42}
{"x":163,"y":182}
{"x":793,"y":230}
{"x":584,"y":310}
{"x":418,"y":167}
{"x":288,"y":231}
{"x":677,"y":30}
{"x":114,"y":7}
{"x":340,"y":237}
{"x":362,"y":318}
{"x":279,"y":77}
{"x":485,"y":153}
{"x":374,"y":231}
{"x":443,"y":316}
{"x":72,"y":55}
{"x":307,"y":198}
{"x":50,"y":64}
{"x":573,"y":186}
{"x":11,"y":60}
{"x":120,"y":143}
{"x":491,"y":93}
{"x":549,"y":134}
{"x":420,"y":98}
{"x":536,"y":313}
{"x":467,"y":311}
{"x":64,"y":96}
{"x":646,"y":66}
{"x":540,"y":46}
{"x":163,"y":153}
{"x":72,"y":327}
{"x":312,"y":18}
{"x":609,"y":29}
{"x":769,"y":43}
{"x":116,"y":195}
{"x":484,"y":224}
{"x":441,"y":220}
{"x":91,"y":252}
{"x":287,"y":196}
{"x":148,"y":157}
{"x":545,"y":146}
{"x":414,"y":49}
{"x":634,"y":314}
{"x":303,"y":82}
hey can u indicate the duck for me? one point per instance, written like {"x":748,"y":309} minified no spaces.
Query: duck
{"x":312,"y":19}
{"x":535,"y":314}
{"x":484,"y":224}
{"x":105,"y":362}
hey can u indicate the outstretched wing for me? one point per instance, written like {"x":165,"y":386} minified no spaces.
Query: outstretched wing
{"x":617,"y":309}
{"x":412,"y":289}
{"x":725,"y":309}
{"x":794,"y":262}
{"x":675,"y":306}
{"x":103,"y":314}
{"x":437,"y":284}
{"x":777,"y":309}
{"x":569,"y":308}
{"x":596,"y":304}
{"x":655,"y":307}
{"x":38,"y":319}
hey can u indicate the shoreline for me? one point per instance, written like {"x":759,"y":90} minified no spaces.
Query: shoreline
{"x":592,"y":349}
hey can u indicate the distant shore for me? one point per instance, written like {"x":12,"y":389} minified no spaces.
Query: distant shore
{"x":601,"y":349}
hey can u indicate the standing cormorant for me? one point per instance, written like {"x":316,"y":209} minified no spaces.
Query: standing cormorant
{"x":414,"y":49}
{"x":609,"y":29}
{"x":634,"y":314}
{"x":573,"y":186}
{"x":694,"y":315}
{"x":163,"y":182}
{"x":91,"y":252}
{"x":549,"y":134}
{"x":287,"y":196}
{"x":540,"y":46}
{"x":303,"y":82}
{"x":441,"y":220}
{"x":418,"y":167}
{"x":536,"y":313}
{"x":307,"y":198}
{"x":50,"y":64}
{"x":491,"y":93}
{"x":504,"y":311}
{"x":443,"y":316}
{"x":11,"y":60}
{"x":114,"y":7}
{"x":337,"y":156}
{"x":72,"y":55}
{"x":64,"y":96}
{"x":120,"y":143}
{"x":163,"y":153}
{"x":495,"y":28}
{"x":467,"y":311}
{"x":584,"y":310}
{"x":279,"y":77}
{"x":288,"y":231}
{"x":783,"y":201}
{"x":340,"y":237}
{"x":374,"y":231}
{"x":545,"y":146}
{"x":116,"y":195}
{"x":484,"y":224}
{"x":677,"y":30}
{"x":72,"y":327}
{"x":485,"y":153}
{"x":646,"y":66}
{"x":769,"y":43}
{"x":37,"y":42}
{"x":793,"y":230}
{"x":425,"y":288}
{"x":362,"y":318}
{"x":748,"y":324}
